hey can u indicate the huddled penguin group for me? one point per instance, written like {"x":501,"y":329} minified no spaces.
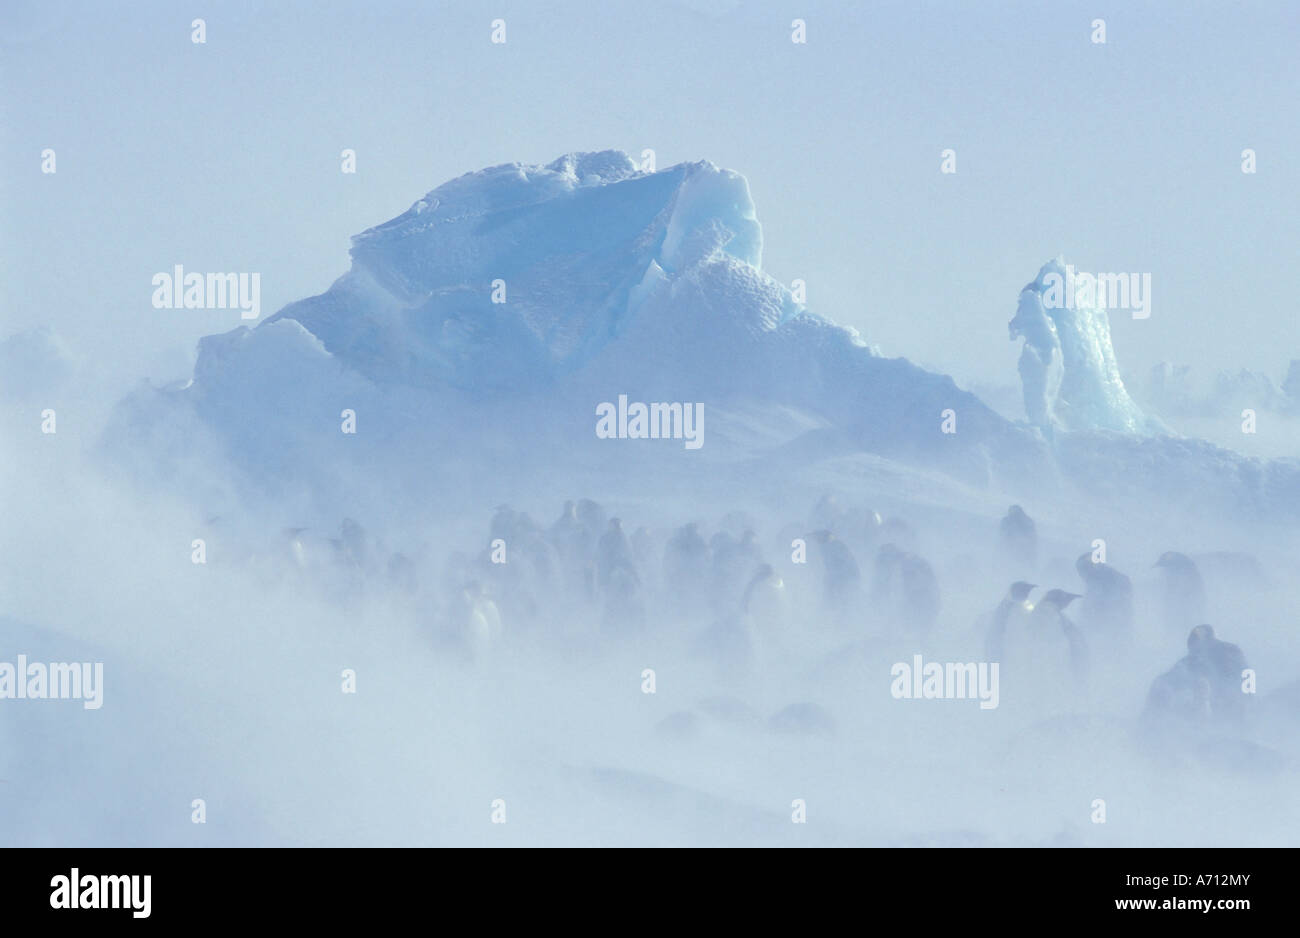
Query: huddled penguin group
{"x":1064,"y":636}
{"x":735,"y":591}
{"x":748,"y":602}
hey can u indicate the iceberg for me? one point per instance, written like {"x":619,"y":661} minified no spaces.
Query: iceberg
{"x":521,"y":274}
{"x":1068,"y":368}
{"x":492,"y":318}
{"x":529,"y":293}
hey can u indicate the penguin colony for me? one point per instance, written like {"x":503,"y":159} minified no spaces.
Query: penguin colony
{"x":745,"y":600}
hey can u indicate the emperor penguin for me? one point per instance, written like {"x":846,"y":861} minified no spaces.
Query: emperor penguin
{"x":642,"y":546}
{"x":828,"y":513}
{"x":567,"y":525}
{"x":1018,"y":538}
{"x":1049,"y":652}
{"x":350,"y":546}
{"x":478,"y":620}
{"x":1010,"y":616}
{"x":686,"y":569}
{"x":897,"y":531}
{"x":567,"y":529}
{"x":503,"y":523}
{"x":522,"y":584}
{"x":623,"y":609}
{"x":734,"y":563}
{"x":841,"y":578}
{"x":1050,"y":621}
{"x":1222,"y":665}
{"x":1107,"y":606}
{"x":860,"y":528}
{"x":614,"y":552}
{"x":905,"y":590}
{"x":737,"y":522}
{"x":921,"y":599}
{"x":533,"y":554}
{"x":592,"y":517}
{"x":298,"y":550}
{"x":1179,"y":699}
{"x":765,"y":601}
{"x":1184,"y":591}
{"x":868,"y":529}
{"x":576,"y":548}
{"x":516,"y":528}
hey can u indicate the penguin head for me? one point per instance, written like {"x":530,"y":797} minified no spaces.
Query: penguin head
{"x":570,"y":509}
{"x":1058,"y":599}
{"x":767,"y":574}
{"x":1020,"y":590}
{"x":1017,"y":518}
{"x":821,"y":537}
{"x":1200,"y":637}
{"x":1175,"y":562}
{"x":615,"y":524}
{"x":688,"y":537}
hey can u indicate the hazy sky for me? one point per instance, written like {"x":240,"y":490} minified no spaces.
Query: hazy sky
{"x":225,"y":156}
